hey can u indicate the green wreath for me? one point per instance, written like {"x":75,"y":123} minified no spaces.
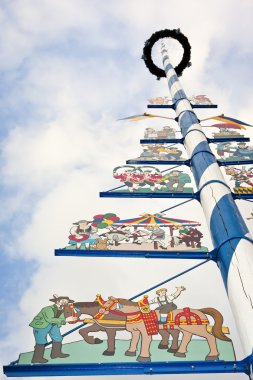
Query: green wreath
{"x":177,"y":35}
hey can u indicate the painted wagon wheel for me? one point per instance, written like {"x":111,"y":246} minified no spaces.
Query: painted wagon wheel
{"x":175,"y":34}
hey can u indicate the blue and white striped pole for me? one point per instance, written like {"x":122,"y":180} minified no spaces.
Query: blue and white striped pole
{"x":229,"y":233}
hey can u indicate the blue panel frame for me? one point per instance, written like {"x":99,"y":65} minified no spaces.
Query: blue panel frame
{"x":151,"y":368}
{"x":181,"y":141}
{"x":229,"y":163}
{"x":162,"y":141}
{"x":160,"y":162}
{"x":173,"y":106}
{"x":119,"y":194}
{"x":197,"y":255}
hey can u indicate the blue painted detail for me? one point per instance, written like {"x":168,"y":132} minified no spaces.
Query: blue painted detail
{"x":197,"y":255}
{"x":180,"y":94}
{"x":161,"y":141}
{"x":172,"y":80}
{"x":226,"y":222}
{"x":121,"y":194}
{"x":126,"y":368}
{"x":187,"y":120}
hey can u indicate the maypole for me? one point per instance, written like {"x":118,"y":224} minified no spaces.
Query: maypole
{"x":230,"y":235}
{"x":155,"y":235}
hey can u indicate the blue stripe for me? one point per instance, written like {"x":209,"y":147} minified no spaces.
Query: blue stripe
{"x":180,"y":94}
{"x":200,"y":162}
{"x":187,"y":120}
{"x":226,"y":222}
{"x":168,"y":67}
{"x":202,"y":146}
{"x":172,"y":80}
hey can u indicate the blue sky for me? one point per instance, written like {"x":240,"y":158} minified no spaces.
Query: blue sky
{"x":68,"y":71}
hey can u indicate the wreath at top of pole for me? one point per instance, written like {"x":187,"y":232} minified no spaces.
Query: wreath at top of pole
{"x":175,"y":34}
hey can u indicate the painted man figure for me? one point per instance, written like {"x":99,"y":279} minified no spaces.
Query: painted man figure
{"x":78,"y":233}
{"x":178,"y":178}
{"x":48,"y":322}
{"x":222,"y":148}
{"x":164,"y":301}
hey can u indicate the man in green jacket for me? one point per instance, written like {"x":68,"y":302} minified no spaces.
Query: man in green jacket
{"x":176,"y":177}
{"x":48,"y":322}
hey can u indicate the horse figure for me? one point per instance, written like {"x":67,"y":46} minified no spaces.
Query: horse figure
{"x":110,"y":325}
{"x":188,"y":321}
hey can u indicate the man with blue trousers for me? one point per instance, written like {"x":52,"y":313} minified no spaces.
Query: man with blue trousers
{"x":48,"y":322}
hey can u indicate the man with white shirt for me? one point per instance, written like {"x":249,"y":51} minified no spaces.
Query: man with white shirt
{"x":165,"y":302}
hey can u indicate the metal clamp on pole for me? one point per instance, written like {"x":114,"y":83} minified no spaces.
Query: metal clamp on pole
{"x":197,"y":194}
{"x":201,"y":151}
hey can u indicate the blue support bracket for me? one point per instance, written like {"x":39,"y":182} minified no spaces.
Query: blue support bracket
{"x":181,"y":141}
{"x":173,"y":106}
{"x":226,"y":139}
{"x":162,"y":141}
{"x":161,"y":106}
{"x":128,"y":368}
{"x":242,"y":196}
{"x":231,"y":163}
{"x":197,"y":255}
{"x":158,"y":162}
{"x":136,"y":194}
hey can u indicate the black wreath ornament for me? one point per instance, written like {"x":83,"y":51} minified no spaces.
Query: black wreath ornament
{"x":177,"y":35}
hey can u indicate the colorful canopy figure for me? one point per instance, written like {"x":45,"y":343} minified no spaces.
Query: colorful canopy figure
{"x":230,"y":120}
{"x":229,"y":125}
{"x":153,"y":220}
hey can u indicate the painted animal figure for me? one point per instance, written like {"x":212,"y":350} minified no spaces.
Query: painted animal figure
{"x":118,"y":235}
{"x":180,"y":318}
{"x":188,"y":321}
{"x":191,"y":240}
{"x":134,"y":324}
{"x":100,"y":245}
{"x":110,"y":325}
{"x":92,"y":309}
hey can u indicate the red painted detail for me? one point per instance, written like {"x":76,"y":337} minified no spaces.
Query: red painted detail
{"x":188,"y":316}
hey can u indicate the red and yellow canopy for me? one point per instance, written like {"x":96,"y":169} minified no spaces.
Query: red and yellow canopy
{"x":153,"y":220}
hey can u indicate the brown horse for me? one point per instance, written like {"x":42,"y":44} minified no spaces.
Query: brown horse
{"x":188,"y":321}
{"x":110,"y":325}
